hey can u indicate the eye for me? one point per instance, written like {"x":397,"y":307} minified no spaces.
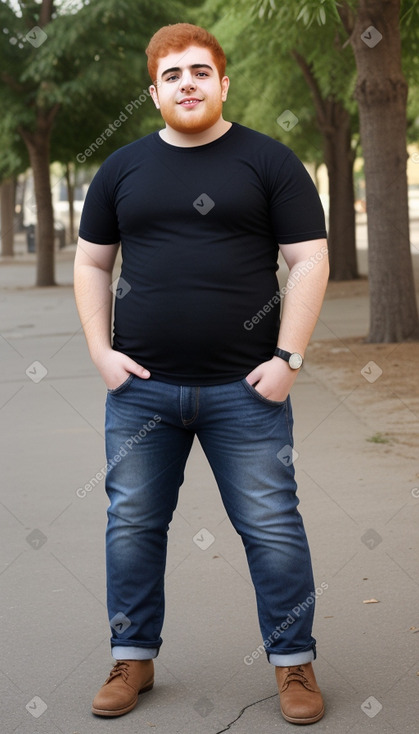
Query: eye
{"x":171,"y":78}
{"x":202,"y":73}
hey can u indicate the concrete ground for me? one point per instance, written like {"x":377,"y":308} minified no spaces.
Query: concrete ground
{"x":359,"y":500}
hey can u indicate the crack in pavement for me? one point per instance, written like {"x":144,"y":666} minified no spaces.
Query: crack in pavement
{"x":249,"y":705}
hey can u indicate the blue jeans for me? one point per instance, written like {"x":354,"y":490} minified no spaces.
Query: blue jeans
{"x":247,"y":439}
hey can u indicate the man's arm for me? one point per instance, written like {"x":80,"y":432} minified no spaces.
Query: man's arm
{"x":93,"y":267}
{"x":307,"y":280}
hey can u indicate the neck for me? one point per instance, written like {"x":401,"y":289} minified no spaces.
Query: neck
{"x":191,"y":140}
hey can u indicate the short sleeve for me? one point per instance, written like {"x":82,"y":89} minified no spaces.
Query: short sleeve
{"x":295,"y":207}
{"x":99,"y":222}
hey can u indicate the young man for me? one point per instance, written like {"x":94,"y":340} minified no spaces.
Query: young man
{"x":199,"y":209}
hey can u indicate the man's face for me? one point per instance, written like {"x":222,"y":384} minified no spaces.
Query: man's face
{"x":189,"y":92}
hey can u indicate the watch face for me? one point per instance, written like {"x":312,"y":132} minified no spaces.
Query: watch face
{"x":295,"y":361}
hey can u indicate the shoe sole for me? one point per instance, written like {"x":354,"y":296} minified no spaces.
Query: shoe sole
{"x":126,"y":710}
{"x":311,"y":720}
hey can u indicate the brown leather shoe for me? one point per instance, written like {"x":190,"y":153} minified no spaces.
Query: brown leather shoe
{"x":119,"y":693}
{"x":300,"y":697}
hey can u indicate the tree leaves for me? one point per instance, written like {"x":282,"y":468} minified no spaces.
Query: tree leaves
{"x":91,"y":63}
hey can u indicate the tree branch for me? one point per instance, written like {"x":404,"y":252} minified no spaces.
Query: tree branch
{"x":52,"y":113}
{"x":44,"y":122}
{"x":319,"y":102}
{"x":47,"y":9}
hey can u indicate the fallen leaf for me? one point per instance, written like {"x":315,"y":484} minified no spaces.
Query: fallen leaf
{"x":371,"y":601}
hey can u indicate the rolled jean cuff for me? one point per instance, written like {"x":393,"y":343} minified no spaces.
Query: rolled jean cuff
{"x":122,"y":652}
{"x":296,"y":658}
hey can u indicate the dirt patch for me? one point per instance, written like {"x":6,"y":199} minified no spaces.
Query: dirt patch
{"x":378,"y":381}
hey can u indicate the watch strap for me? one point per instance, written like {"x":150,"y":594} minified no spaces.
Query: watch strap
{"x":282,"y":353}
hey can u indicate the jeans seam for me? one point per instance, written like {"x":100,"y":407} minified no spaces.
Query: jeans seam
{"x":289,"y":428}
{"x":188,"y":421}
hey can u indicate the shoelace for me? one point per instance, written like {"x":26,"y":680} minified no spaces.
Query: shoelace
{"x":296,"y":673}
{"x":120,"y":668}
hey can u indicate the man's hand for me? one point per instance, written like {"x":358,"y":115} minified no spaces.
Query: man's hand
{"x":300,"y":310}
{"x":93,"y":268}
{"x":116,"y":367}
{"x":273,"y":379}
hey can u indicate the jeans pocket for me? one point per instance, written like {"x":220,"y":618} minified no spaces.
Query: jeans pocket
{"x":122,"y":387}
{"x":261,"y":398}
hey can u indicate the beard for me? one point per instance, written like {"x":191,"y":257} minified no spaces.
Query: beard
{"x":196,"y":120}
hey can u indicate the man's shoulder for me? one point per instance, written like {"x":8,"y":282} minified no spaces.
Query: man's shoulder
{"x":262,"y":141}
{"x":131,"y":151}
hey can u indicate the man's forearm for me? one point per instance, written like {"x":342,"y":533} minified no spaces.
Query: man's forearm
{"x":307,"y":280}
{"x":94,"y":304}
{"x":302,"y":304}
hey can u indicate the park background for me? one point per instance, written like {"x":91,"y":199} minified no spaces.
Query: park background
{"x":338,"y":83}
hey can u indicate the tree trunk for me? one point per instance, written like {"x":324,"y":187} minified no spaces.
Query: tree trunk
{"x":20,"y":199}
{"x":70,"y":197}
{"x":339,"y":159}
{"x":37,"y":142}
{"x":46,"y":10}
{"x":334,"y":124}
{"x":39,"y":153}
{"x":7,"y":190}
{"x":381,"y":92}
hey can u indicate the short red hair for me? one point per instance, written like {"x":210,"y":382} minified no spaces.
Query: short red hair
{"x":177,"y":37}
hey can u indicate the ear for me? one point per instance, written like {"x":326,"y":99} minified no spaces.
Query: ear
{"x":225,"y":84}
{"x":154,"y":96}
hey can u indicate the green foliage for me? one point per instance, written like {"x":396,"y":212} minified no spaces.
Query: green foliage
{"x":90,"y":66}
{"x":13,"y":154}
{"x":378,"y":438}
{"x":309,"y":12}
{"x":259,"y":37}
{"x":409,"y":31}
{"x":314,"y":30}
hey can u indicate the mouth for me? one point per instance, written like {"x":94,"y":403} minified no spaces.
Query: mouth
{"x":189,"y":102}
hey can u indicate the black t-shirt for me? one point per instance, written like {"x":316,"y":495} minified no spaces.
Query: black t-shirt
{"x":199,"y":230}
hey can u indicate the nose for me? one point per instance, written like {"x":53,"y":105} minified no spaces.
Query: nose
{"x":187,"y":82}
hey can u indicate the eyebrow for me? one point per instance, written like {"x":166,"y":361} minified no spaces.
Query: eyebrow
{"x":193,"y":66}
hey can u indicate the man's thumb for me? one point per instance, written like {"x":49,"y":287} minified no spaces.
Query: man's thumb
{"x":139,"y":370}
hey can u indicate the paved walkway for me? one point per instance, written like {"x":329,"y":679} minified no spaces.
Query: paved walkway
{"x":360,"y":507}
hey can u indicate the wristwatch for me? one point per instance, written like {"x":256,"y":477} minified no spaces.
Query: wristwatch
{"x":294,"y":359}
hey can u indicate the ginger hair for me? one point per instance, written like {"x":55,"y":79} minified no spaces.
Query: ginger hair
{"x":178,"y":37}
